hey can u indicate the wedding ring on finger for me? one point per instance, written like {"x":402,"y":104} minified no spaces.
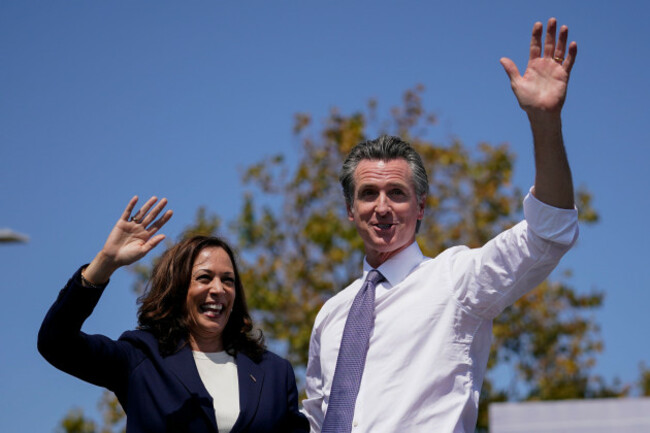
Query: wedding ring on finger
{"x":134,"y":219}
{"x":558,"y":59}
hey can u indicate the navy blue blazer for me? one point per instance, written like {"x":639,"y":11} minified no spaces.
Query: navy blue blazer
{"x":163,"y":393}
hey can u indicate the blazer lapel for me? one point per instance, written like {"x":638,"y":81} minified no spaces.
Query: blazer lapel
{"x":183,"y":365}
{"x":251,"y":379}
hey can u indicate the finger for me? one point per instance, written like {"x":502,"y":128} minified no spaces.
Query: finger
{"x":560,"y":47}
{"x":549,"y":41}
{"x":571,"y":57}
{"x":510,"y":68}
{"x":151,"y":243}
{"x":140,"y":215}
{"x":154,"y":212}
{"x":129,"y":208}
{"x":160,"y":222}
{"x":536,"y":41}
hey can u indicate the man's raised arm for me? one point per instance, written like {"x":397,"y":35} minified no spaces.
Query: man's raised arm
{"x":541,"y":92}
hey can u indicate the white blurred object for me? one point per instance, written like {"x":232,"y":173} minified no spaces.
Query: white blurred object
{"x":8,"y":235}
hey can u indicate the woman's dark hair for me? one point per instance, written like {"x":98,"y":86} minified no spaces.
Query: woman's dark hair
{"x":163,"y":305}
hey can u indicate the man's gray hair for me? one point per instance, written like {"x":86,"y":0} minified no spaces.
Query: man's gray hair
{"x":384,"y":148}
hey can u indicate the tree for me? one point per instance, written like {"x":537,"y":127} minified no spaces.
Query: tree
{"x":114,"y":419}
{"x":297,"y":247}
{"x":76,"y":422}
{"x":644,"y":380}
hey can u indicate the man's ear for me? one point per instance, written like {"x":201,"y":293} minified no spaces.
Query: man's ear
{"x":421,"y":205}
{"x":348,"y":208}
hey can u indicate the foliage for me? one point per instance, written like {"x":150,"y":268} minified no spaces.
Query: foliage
{"x":113,"y":414}
{"x":644,"y":380}
{"x":76,"y":422}
{"x":114,"y":419}
{"x":553,"y":343}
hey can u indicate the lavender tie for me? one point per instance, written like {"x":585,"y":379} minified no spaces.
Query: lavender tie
{"x":352,"y":358}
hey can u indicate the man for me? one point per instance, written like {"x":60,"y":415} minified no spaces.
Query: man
{"x":418,"y":362}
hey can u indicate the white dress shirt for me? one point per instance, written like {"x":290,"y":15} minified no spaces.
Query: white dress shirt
{"x":429,"y":348}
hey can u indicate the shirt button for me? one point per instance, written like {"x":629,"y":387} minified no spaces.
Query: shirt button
{"x":354,"y":424}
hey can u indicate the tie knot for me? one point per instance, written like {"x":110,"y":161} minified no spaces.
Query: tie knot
{"x":374,"y":277}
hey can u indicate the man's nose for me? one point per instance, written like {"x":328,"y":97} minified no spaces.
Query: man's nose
{"x":382,"y":206}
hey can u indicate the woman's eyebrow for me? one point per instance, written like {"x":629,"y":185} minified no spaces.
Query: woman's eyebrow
{"x":199,"y":270}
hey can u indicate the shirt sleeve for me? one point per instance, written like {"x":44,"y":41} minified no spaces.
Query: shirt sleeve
{"x":486,"y":280}
{"x":551,"y":223}
{"x":313,"y":404}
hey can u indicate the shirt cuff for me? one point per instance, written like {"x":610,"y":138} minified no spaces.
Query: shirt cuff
{"x":551,"y":223}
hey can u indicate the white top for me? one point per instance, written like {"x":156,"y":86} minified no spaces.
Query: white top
{"x":218,"y":372}
{"x":429,"y":348}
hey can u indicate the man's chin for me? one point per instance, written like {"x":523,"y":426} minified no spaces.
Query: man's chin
{"x":384,"y":243}
{"x":389,"y":244}
{"x":386,"y":246}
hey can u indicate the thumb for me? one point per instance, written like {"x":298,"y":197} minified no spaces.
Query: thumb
{"x":510,"y":68}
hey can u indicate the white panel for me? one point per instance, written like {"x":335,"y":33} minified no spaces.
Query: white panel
{"x":625,"y":415}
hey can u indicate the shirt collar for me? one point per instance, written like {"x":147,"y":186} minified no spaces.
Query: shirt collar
{"x":399,"y":266}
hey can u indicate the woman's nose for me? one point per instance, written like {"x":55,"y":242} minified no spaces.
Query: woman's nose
{"x":216,"y":287}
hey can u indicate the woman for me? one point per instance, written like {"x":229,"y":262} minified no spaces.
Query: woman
{"x":194,"y":364}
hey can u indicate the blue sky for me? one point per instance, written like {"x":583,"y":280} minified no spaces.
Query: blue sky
{"x":102,"y":100}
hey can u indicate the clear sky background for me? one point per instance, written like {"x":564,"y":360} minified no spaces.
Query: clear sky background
{"x":101,"y":100}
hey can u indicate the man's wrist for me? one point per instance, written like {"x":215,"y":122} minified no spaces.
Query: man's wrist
{"x":545,"y":119}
